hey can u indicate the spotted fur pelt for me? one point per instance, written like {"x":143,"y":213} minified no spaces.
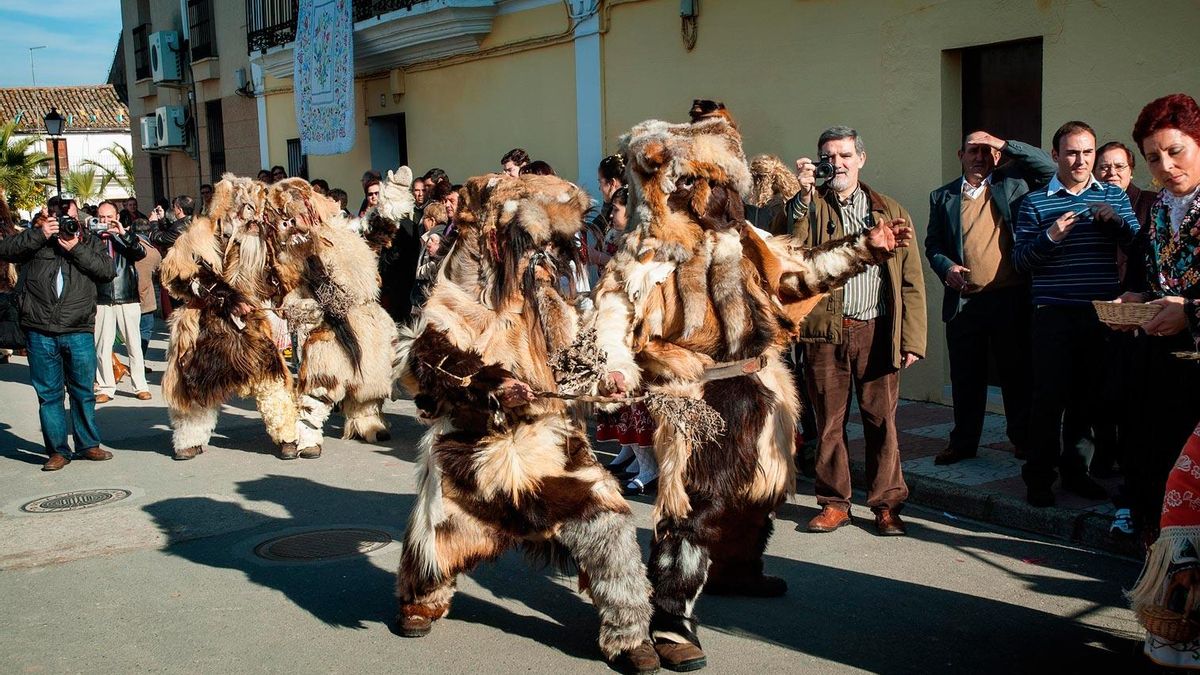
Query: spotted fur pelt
{"x":493,"y":477}
{"x":694,"y":286}
{"x":224,"y":261}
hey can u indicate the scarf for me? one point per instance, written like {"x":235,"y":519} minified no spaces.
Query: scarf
{"x":1175,"y":244}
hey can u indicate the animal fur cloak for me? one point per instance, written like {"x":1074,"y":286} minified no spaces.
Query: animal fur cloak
{"x":696,"y":305}
{"x":330,"y":276}
{"x":222,"y":265}
{"x":497,"y":468}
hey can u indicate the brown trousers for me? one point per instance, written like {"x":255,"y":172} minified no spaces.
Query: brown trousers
{"x":863,"y":360}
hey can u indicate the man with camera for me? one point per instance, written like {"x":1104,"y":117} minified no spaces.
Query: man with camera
{"x":163,"y":233}
{"x":986,"y":304}
{"x":60,"y":268}
{"x":860,"y":336}
{"x":118,"y":306}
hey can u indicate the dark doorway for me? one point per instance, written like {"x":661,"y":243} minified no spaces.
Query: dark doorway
{"x":158,"y":178}
{"x":1002,"y":90}
{"x":389,"y":142}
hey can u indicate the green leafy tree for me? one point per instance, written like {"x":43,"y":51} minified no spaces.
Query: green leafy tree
{"x":122,"y":174}
{"x":83,"y":185}
{"x":20,"y":168}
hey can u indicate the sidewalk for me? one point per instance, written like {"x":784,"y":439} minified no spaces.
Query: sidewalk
{"x":988,"y":488}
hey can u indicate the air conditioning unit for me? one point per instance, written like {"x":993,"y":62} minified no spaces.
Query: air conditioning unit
{"x":170,"y":123}
{"x":149,"y":132}
{"x":164,"y":56}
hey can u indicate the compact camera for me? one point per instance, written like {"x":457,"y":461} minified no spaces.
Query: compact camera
{"x":69,"y":228}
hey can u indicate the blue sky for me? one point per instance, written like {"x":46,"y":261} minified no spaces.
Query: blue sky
{"x":80,"y":38}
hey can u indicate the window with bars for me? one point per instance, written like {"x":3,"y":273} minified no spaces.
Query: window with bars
{"x":203,"y":36}
{"x":215,"y":123}
{"x":141,"y":51}
{"x":297,"y":160}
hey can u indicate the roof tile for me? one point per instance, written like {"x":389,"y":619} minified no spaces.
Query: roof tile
{"x":87,"y":108}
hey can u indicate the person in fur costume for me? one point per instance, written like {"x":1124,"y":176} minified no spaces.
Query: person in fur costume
{"x":394,"y":235}
{"x":502,"y":465}
{"x":332,"y":285}
{"x":224,"y":268}
{"x":697,"y":307}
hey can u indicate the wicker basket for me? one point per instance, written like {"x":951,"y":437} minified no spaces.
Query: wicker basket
{"x":1168,"y":625}
{"x":1125,"y":313}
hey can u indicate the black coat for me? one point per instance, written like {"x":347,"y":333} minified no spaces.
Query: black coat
{"x":83,"y":267}
{"x":123,"y":289}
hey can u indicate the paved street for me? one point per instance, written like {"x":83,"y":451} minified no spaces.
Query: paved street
{"x":167,"y":579}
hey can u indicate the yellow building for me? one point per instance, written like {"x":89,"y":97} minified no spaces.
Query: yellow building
{"x":456,"y":83}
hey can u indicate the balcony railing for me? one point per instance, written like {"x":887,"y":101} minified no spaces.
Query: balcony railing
{"x":270,"y":23}
{"x":141,"y":51}
{"x":203,"y":35}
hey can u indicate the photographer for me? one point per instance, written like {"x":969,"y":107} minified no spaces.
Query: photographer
{"x":60,"y":268}
{"x":118,"y":307}
{"x":163,"y":233}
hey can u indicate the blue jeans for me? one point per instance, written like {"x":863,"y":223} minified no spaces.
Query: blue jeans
{"x":57,"y":361}
{"x":146,"y":328}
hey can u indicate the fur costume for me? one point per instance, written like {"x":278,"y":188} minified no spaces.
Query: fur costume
{"x":393,"y":234}
{"x":493,"y":477}
{"x":330,"y":274}
{"x":695,"y":304}
{"x":222,"y":261}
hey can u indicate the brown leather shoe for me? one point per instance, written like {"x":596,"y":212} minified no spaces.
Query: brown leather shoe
{"x":103,"y":398}
{"x":144,"y":396}
{"x":830,"y":519}
{"x":55,"y":462}
{"x":288,"y":451}
{"x":640,"y":659}
{"x":888,"y":524}
{"x":188,"y":453}
{"x":414,"y":626}
{"x":680,"y":657}
{"x":95,"y":454}
{"x":311,"y":452}
{"x":952,"y":456}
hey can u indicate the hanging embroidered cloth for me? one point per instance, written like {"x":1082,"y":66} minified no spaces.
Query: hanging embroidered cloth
{"x":324,"y":76}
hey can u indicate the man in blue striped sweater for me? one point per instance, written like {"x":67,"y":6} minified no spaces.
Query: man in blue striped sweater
{"x":1067,"y":238}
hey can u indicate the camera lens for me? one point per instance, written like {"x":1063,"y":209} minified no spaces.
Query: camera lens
{"x":825,"y":169}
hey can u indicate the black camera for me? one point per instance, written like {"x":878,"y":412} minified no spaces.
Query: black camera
{"x":825,"y":169}
{"x":68,"y":227}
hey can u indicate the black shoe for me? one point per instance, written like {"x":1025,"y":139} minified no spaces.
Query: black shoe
{"x":618,"y":468}
{"x":952,"y":456}
{"x":1040,"y":497}
{"x":1085,"y":487}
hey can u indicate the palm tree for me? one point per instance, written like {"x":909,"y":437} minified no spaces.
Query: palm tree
{"x":122,"y":175}
{"x":81,"y":184}
{"x":19,"y":165}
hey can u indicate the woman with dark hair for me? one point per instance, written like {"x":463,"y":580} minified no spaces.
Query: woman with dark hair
{"x":1167,"y":133}
{"x":537,"y":168}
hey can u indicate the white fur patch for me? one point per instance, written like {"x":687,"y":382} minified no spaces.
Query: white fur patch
{"x":510,"y":206}
{"x":429,"y":511}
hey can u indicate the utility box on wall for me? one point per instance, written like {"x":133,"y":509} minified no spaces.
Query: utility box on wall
{"x":164,"y":57}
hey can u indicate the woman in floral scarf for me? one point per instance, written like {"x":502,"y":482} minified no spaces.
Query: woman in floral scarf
{"x":1168,"y":134}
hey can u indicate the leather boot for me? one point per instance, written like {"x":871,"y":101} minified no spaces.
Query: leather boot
{"x":95,"y":454}
{"x":55,"y":462}
{"x":830,"y":519}
{"x":414,"y":626}
{"x":680,"y":657}
{"x":188,"y":453}
{"x":311,"y":452}
{"x":288,"y":451}
{"x":640,"y":659}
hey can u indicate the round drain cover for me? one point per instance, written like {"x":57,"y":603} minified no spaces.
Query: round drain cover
{"x":323,"y":545}
{"x":73,"y":501}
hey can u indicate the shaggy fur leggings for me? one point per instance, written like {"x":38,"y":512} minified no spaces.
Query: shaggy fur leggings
{"x":716,"y":543}
{"x":604,"y":546}
{"x":194,"y":426}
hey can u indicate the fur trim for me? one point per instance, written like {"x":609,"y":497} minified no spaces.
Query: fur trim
{"x":771,"y":180}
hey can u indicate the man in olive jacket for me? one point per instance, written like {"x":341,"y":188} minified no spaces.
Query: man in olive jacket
{"x":59,"y":274}
{"x":860,"y":336}
{"x":986,"y":307}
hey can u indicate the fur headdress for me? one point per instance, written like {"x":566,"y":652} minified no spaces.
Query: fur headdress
{"x":237,"y":200}
{"x":771,"y":178}
{"x":396,"y":201}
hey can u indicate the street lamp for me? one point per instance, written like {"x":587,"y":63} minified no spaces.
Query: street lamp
{"x":54,"y":127}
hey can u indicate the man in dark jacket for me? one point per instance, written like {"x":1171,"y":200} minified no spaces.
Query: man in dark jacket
{"x":163,"y":233}
{"x":119,"y":308}
{"x":58,"y":312}
{"x":986,"y":304}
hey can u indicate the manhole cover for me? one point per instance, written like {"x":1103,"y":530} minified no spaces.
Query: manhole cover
{"x":73,"y":501}
{"x":323,"y":545}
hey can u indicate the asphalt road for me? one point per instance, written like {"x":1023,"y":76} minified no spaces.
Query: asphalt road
{"x":167,"y":580}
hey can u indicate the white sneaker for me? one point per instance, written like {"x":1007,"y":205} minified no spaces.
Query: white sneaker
{"x":1122,"y":524}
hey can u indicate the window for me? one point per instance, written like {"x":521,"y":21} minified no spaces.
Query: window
{"x":141,"y":51}
{"x":215,"y":123}
{"x":58,"y":146}
{"x":1002,"y":90}
{"x":158,"y":182}
{"x":203,"y":37}
{"x":297,"y":161}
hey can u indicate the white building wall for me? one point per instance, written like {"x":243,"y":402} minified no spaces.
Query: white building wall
{"x":83,"y":147}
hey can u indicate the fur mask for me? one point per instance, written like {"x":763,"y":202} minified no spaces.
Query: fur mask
{"x":237,"y":204}
{"x":685,"y":179}
{"x":396,"y":201}
{"x":772,"y":178}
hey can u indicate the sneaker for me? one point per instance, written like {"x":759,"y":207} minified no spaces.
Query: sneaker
{"x":1122,"y":524}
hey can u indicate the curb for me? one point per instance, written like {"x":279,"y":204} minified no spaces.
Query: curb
{"x":1081,"y":528}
